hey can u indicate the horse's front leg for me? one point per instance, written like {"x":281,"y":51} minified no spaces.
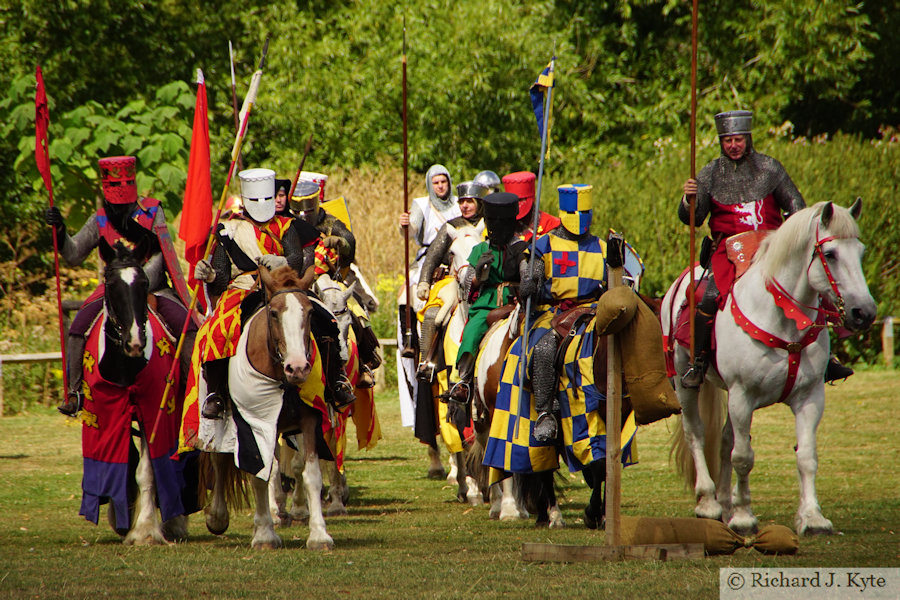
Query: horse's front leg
{"x":217,"y":515}
{"x":809,"y":519}
{"x":707,"y":506}
{"x":299,"y":511}
{"x":740,"y":413}
{"x":264,"y":536}
{"x":277,"y":496}
{"x":312,"y":480}
{"x":146,"y":529}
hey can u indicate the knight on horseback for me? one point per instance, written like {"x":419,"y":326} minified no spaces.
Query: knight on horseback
{"x":128,"y":219}
{"x":486,"y":285}
{"x":258,"y":236}
{"x":568,"y":270}
{"x":330,"y":246}
{"x":742,"y":190}
{"x":437,"y":259}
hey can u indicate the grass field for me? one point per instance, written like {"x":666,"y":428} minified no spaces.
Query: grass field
{"x":407,"y":537}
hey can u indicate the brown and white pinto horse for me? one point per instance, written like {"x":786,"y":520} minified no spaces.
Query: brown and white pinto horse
{"x":275,"y":349}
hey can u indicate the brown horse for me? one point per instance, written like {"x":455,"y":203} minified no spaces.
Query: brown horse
{"x":275,"y":349}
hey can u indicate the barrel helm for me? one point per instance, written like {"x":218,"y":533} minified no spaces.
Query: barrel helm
{"x":500,"y":217}
{"x":117,"y":174}
{"x":258,"y":193}
{"x":575,"y":207}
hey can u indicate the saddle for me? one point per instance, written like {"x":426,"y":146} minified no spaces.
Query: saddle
{"x":499,"y":313}
{"x":566,"y":325}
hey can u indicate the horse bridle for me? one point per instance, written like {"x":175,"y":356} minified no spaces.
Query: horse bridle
{"x":117,"y":335}
{"x":274,"y":351}
{"x":832,"y":315}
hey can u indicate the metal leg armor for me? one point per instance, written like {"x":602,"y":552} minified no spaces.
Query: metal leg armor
{"x":543,"y":385}
{"x":75,"y":375}
{"x":462,"y":391}
{"x":425,"y":372}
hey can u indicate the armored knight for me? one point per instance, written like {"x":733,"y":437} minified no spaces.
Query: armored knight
{"x":568,"y":270}
{"x":124,"y":218}
{"x":257,"y":237}
{"x":437,"y":257}
{"x":493,"y":265}
{"x":742,"y":190}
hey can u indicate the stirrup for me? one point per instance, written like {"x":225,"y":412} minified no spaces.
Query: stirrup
{"x":72,"y":404}
{"x":545,"y":427}
{"x":693,"y":379}
{"x":460,"y":392}
{"x":213,"y":407}
{"x":366,"y":378}
{"x":425,"y":372}
{"x":343,"y":395}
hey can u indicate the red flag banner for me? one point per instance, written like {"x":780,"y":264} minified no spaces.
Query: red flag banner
{"x":41,"y":124}
{"x":196,"y":214}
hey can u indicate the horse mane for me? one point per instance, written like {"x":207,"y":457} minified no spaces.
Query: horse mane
{"x":797,"y":235}
{"x":286,"y":277}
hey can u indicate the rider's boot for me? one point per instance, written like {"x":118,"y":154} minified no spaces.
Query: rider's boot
{"x":409,"y":344}
{"x":338,"y":389}
{"x":703,"y":324}
{"x":74,"y":400}
{"x":834,"y":370}
{"x":426,"y":369}
{"x":216,"y":374}
{"x":543,"y":384}
{"x":462,"y":391}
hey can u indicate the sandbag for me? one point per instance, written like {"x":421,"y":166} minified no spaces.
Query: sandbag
{"x":639,"y":340}
{"x":715,"y":536}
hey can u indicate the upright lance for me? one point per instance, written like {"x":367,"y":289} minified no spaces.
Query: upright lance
{"x":234,"y":107}
{"x":535,"y":221}
{"x":407,"y":331}
{"x":246,"y":109}
{"x":692,"y":198}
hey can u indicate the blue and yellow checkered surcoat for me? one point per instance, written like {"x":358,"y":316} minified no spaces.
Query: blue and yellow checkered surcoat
{"x":574,"y":270}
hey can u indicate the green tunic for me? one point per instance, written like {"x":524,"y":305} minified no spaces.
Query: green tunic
{"x":476,"y":326}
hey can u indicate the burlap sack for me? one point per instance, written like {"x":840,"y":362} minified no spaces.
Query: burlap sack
{"x":620,"y":311}
{"x":715,"y":536}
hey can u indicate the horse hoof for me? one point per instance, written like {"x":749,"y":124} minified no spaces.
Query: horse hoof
{"x":320,"y":544}
{"x":336,"y":511}
{"x":216,"y":528}
{"x":266,"y":546}
{"x":813,"y":527}
{"x":437,"y":473}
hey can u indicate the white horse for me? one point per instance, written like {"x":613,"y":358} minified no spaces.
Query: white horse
{"x":770,"y":356}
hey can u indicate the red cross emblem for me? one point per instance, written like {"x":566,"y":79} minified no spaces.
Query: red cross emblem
{"x":564,"y":262}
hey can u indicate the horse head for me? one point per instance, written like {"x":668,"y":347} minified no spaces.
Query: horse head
{"x":125,"y":296}
{"x":288,"y":311}
{"x":464,"y":239}
{"x":335,"y":296}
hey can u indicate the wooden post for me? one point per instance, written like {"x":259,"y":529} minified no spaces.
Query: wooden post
{"x":887,"y":342}
{"x":614,"y":264}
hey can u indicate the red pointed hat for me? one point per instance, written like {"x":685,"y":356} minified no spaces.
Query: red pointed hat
{"x":118,"y":176}
{"x":521,"y":183}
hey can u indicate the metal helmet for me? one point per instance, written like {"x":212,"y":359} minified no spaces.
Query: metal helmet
{"x":258,"y":193}
{"x":117,"y":174}
{"x":304,"y":201}
{"x":320,"y":179}
{"x":521,"y":183}
{"x":576,"y":207}
{"x":734,"y":122}
{"x":488,"y":179}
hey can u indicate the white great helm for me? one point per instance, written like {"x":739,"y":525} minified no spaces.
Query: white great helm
{"x":258,"y":193}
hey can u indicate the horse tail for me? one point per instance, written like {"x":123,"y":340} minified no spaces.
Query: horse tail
{"x":711,"y":403}
{"x":236,"y":494}
{"x":474,"y":461}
